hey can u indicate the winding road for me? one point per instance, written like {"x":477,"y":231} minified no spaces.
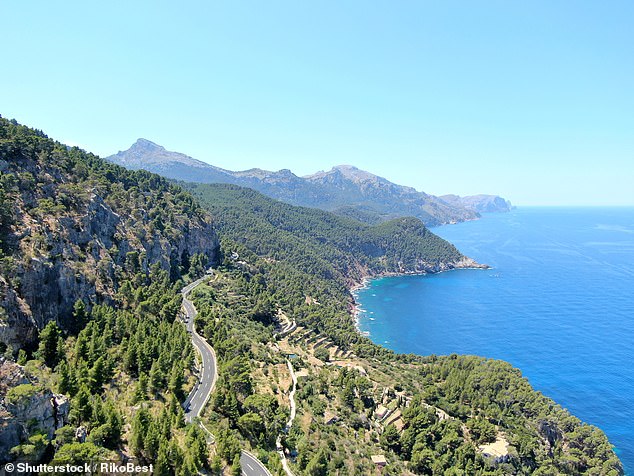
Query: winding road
{"x":207,"y":377}
{"x":208,"y":373}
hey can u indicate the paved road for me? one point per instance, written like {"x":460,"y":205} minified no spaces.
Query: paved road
{"x":251,"y":466}
{"x":208,"y":373}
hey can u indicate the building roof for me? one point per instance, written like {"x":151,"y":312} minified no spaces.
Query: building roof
{"x":378,"y":459}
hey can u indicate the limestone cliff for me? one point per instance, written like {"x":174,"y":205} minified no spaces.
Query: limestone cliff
{"x":26,"y":408}
{"x":479,"y":203}
{"x":73,"y":227}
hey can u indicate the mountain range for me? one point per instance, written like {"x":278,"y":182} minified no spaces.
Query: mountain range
{"x":344,"y":190}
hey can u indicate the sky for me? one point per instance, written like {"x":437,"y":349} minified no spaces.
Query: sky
{"x":533,"y":101}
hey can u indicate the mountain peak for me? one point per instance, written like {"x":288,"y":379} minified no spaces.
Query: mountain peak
{"x":355,"y":173}
{"x":145,"y":154}
{"x":349,"y":172}
{"x":145,"y":144}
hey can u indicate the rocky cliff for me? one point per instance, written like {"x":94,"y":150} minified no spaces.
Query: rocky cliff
{"x":479,"y":203}
{"x":73,"y":226}
{"x":26,"y":408}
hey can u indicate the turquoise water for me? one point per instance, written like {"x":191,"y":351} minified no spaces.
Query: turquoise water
{"x":558,"y":304}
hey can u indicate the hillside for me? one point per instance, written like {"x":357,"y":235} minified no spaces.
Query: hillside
{"x":338,"y":250}
{"x":282,"y":292}
{"x":344,"y":190}
{"x":97,"y":363}
{"x":71,"y":223}
{"x":91,"y":257}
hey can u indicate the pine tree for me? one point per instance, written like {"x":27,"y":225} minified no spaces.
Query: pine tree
{"x":348,"y":394}
{"x":176,"y":380}
{"x":176,"y":412}
{"x":99,"y":374}
{"x":131,"y":357}
{"x":80,"y":316}
{"x":81,"y":347}
{"x":390,"y":439}
{"x":318,"y":465}
{"x":189,"y":466}
{"x":216,"y":465}
{"x":152,"y":440}
{"x":162,"y":466}
{"x":197,"y":445}
{"x":140,"y":426}
{"x":157,"y":378}
{"x":67,"y":383}
{"x":140,"y":393}
{"x":236,"y":467}
{"x":49,"y":347}
{"x":114,"y":424}
{"x":82,"y":404}
{"x":176,"y":456}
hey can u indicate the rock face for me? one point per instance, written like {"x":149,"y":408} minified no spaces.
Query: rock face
{"x":26,"y":409}
{"x":480,"y":203}
{"x":79,"y":226}
{"x":345,"y":189}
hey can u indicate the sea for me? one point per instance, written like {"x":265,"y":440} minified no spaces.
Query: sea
{"x":557,"y":303}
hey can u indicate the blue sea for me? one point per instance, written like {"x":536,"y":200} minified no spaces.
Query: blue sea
{"x":558,"y":304}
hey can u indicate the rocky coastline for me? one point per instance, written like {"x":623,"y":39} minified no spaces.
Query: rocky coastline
{"x":354,"y":307}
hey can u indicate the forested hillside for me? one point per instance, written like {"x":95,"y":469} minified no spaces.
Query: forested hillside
{"x":456,"y":415}
{"x":90,"y":264}
{"x":317,"y":252}
{"x":73,"y":226}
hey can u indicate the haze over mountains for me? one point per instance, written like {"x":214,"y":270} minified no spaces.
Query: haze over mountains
{"x":345,"y":190}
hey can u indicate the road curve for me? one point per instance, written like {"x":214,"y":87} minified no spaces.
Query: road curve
{"x":251,"y":466}
{"x":208,"y":374}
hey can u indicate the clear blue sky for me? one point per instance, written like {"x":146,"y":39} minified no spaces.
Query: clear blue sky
{"x":530,"y":100}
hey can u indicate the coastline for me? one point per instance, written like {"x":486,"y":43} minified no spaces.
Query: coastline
{"x":354,"y":306}
{"x":357,"y":309}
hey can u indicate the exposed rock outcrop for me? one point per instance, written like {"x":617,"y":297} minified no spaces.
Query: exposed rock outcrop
{"x":26,"y":408}
{"x":479,"y":203}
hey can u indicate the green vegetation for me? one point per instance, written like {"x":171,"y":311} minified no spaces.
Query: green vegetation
{"x":105,"y":249}
{"x":303,"y":252}
{"x":124,"y":243}
{"x":301,"y":262}
{"x":73,"y":226}
{"x":21,"y":393}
